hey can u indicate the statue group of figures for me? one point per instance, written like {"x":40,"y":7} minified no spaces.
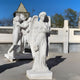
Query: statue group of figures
{"x":33,"y":31}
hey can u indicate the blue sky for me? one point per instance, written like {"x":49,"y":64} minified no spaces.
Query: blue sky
{"x":7,"y":7}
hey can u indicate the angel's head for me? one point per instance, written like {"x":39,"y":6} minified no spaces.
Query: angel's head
{"x":17,"y":18}
{"x":22,"y":17}
{"x":35,"y":18}
{"x":42,"y":15}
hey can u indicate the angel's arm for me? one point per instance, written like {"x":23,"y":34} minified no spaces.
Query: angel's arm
{"x":24,"y":25}
{"x":16,"y":23}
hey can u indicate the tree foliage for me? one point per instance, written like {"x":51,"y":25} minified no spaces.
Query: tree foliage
{"x":71,"y":15}
{"x":57,"y":20}
{"x":68,"y":14}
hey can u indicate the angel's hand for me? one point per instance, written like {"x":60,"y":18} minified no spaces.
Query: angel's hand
{"x":36,"y":48}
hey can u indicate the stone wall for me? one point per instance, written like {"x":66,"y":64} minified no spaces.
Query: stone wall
{"x":74,"y":48}
{"x":56,"y":47}
{"x":6,"y":34}
{"x":61,"y":40}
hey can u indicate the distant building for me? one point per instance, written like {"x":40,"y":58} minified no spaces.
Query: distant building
{"x":22,"y":10}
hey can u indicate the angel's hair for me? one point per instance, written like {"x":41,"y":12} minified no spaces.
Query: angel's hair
{"x":46,"y":19}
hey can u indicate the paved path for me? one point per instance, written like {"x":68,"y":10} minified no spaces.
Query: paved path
{"x":63,"y":66}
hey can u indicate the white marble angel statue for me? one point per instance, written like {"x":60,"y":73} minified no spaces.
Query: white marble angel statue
{"x":38,"y":41}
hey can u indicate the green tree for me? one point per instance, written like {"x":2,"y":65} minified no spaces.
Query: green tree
{"x":57,"y":20}
{"x":71,"y":15}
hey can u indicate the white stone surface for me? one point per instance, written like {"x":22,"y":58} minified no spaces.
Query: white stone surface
{"x":66,"y":38}
{"x":39,"y":75}
{"x":74,"y":38}
{"x":6,"y":38}
{"x":38,"y":44}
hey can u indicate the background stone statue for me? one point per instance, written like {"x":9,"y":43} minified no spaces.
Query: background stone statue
{"x":20,"y":30}
{"x":20,"y":33}
{"x":25,"y":29}
{"x":16,"y":34}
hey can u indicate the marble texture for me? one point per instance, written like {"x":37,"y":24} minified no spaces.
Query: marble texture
{"x":18,"y":45}
{"x":34,"y":32}
{"x":39,"y":75}
{"x":38,"y":44}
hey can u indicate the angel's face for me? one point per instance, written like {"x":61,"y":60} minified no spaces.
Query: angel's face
{"x":22,"y":17}
{"x":35,"y":18}
{"x":42,"y":17}
{"x":16,"y":18}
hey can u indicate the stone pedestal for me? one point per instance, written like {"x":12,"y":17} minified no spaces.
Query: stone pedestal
{"x":11,"y":56}
{"x":39,"y":75}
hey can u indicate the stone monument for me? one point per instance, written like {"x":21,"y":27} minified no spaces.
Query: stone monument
{"x":16,"y":51}
{"x":38,"y":45}
{"x":33,"y":31}
{"x":18,"y":43}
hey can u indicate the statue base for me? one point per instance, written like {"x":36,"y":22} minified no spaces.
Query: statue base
{"x":12,"y":57}
{"x":39,"y":75}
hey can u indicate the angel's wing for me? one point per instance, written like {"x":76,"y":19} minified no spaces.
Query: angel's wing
{"x":49,"y":22}
{"x":32,"y":23}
